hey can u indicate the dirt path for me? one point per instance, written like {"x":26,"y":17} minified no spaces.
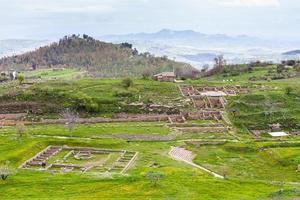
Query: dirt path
{"x":186,"y":156}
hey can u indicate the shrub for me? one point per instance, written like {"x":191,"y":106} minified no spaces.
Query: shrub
{"x":147,"y":73}
{"x":5,"y":171}
{"x":154,"y":177}
{"x":92,"y":107}
{"x":123,"y":93}
{"x":21,"y":129}
{"x":288,"y":90}
{"x":297,"y":67}
{"x":21,"y":78}
{"x":71,"y":118}
{"x":127,"y":83}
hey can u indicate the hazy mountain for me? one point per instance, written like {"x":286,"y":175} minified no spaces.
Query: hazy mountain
{"x":201,"y":57}
{"x":292,"y":53}
{"x":198,"y":48}
{"x":187,"y":36}
{"x":15,"y":46}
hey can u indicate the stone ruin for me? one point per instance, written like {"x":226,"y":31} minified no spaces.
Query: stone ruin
{"x":209,"y":102}
{"x":206,"y":98}
{"x":189,"y":90}
{"x":57,"y":159}
{"x":83,"y":155}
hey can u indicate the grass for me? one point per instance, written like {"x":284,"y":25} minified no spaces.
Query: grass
{"x":181,"y":181}
{"x":251,"y":162}
{"x":254,"y":169}
{"x":46,"y":74}
{"x":95,"y":130}
{"x":98,"y":96}
{"x":257,"y":111}
{"x":205,"y":136}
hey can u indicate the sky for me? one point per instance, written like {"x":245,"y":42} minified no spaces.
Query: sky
{"x":52,"y":19}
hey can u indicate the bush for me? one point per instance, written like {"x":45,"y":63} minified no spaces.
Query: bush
{"x":123,"y":93}
{"x":21,"y":129}
{"x":154,"y":177}
{"x":127,"y":83}
{"x":5,"y":171}
{"x":297,"y":67}
{"x":288,"y":90}
{"x":21,"y":78}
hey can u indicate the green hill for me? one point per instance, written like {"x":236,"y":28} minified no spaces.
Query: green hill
{"x":98,"y":58}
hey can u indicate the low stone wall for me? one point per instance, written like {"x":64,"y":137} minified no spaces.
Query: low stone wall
{"x":16,"y":116}
{"x":25,"y":107}
{"x":151,"y":118}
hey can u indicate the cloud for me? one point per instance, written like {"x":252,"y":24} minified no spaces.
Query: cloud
{"x":66,"y":6}
{"x":248,"y":3}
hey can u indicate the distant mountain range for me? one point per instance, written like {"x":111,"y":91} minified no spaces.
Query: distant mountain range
{"x":17,"y":46}
{"x":198,"y":48}
{"x":187,"y":36}
{"x":292,"y":53}
{"x":186,"y":46}
{"x":201,"y":57}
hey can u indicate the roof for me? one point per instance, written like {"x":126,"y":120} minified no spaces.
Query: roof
{"x":169,"y":74}
{"x":278,"y":134}
{"x":213,"y":93}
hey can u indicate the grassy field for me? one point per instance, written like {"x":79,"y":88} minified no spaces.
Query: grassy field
{"x":47,"y":74}
{"x":180,"y":182}
{"x":95,"y":130}
{"x":251,"y":161}
{"x":263,"y":169}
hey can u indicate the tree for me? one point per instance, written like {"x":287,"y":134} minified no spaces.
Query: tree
{"x":135,"y":52}
{"x":204,"y":68}
{"x":289,"y":62}
{"x":21,"y":129}
{"x":85,"y":36}
{"x":280,"y":68}
{"x":127,"y":83}
{"x":147,"y":73}
{"x":21,"y":78}
{"x":34,"y":66}
{"x":220,"y":63}
{"x":126,"y":45}
{"x":218,"y":67}
{"x":154,"y":177}
{"x":186,"y":72}
{"x":5,"y":171}
{"x":71,"y":118}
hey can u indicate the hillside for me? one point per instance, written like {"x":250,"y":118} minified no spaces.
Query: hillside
{"x":99,"y":58}
{"x":151,"y":128}
{"x":292,"y":53}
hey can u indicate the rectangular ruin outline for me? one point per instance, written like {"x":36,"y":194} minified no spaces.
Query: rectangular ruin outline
{"x":129,"y":162}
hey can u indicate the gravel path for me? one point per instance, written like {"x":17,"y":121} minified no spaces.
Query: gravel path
{"x":187,"y":156}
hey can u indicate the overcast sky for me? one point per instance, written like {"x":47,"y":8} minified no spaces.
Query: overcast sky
{"x":51,"y":19}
